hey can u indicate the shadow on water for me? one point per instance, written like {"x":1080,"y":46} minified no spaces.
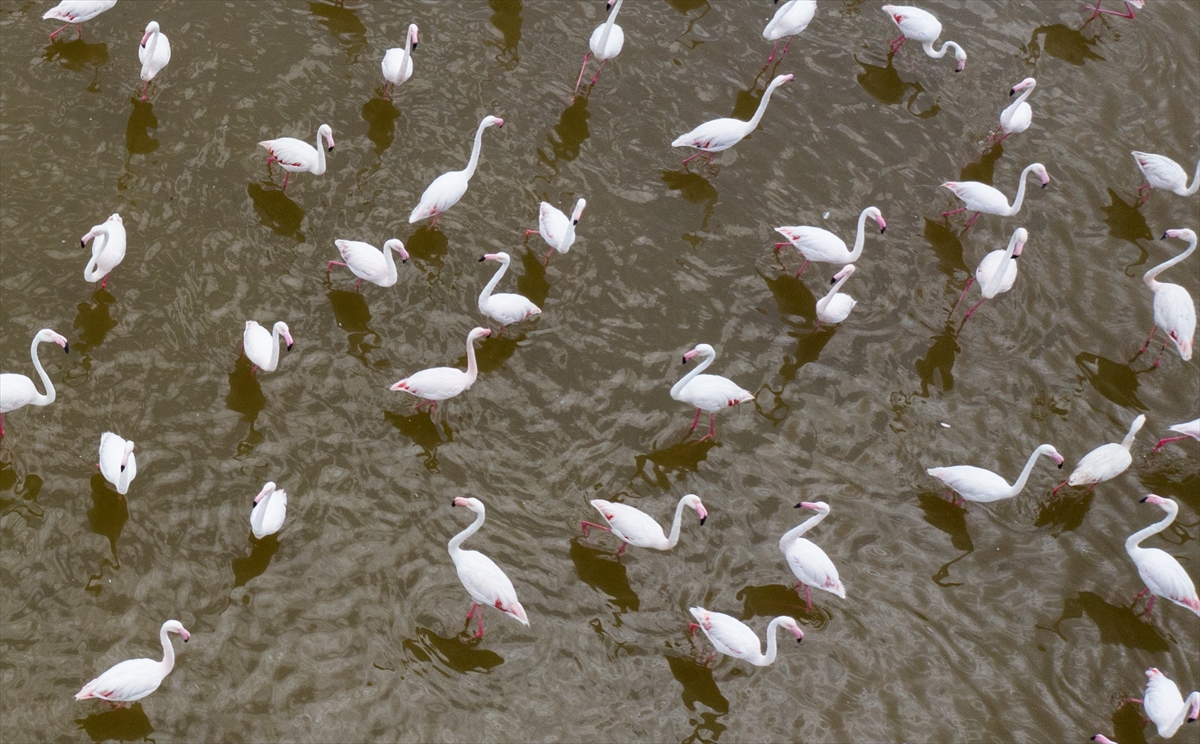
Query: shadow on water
{"x":532,"y":281}
{"x":884,"y":85}
{"x":428,"y":244}
{"x":1117,"y":625}
{"x":792,"y":295}
{"x":245,"y":393}
{"x":947,"y":247}
{"x":122,"y":724}
{"x":276,"y":211}
{"x":938,"y":362}
{"x":571,"y":132}
{"x":494,"y":351}
{"x":952,"y":520}
{"x":693,"y":188}
{"x":773,"y":600}
{"x":109,"y":513}
{"x":1125,"y":222}
{"x":419,"y":428}
{"x":26,"y":489}
{"x":686,"y":6}
{"x":601,"y":571}
{"x":1060,"y":42}
{"x":1065,"y":512}
{"x":343,"y":24}
{"x":76,"y":55}
{"x":698,"y":684}
{"x":94,"y":321}
{"x":1128,"y":724}
{"x":352,"y":315}
{"x":984,"y":169}
{"x":1170,"y":479}
{"x":454,"y":651}
{"x":137,"y":132}
{"x":682,"y":458}
{"x":255,"y":564}
{"x":1116,"y":381}
{"x":380,"y":115}
{"x":506,"y":18}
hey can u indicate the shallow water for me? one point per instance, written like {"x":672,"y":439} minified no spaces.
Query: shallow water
{"x":1008,"y":621}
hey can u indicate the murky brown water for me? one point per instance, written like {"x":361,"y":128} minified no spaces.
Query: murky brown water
{"x":1003,"y":622}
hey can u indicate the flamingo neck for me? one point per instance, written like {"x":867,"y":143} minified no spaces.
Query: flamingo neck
{"x":471,"y":529}
{"x":390,"y":263}
{"x":150,"y":47}
{"x":407,"y":52}
{"x":1127,"y":442}
{"x":470,"y":169}
{"x":612,"y":19}
{"x":99,"y":243}
{"x":939,"y":53}
{"x":1151,"y":276}
{"x":794,"y":533}
{"x":772,"y":645}
{"x":486,"y":294}
{"x":993,"y":285}
{"x":274,"y":348}
{"x":683,"y":381}
{"x":123,"y":479}
{"x":168,"y":662}
{"x":472,"y":366}
{"x":1016,"y":205}
{"x":320,"y":169}
{"x":1132,"y":543}
{"x":1020,"y":484}
{"x":762,"y":107}
{"x":1195,"y":182}
{"x":673,"y":538}
{"x":1021,"y":98}
{"x":48,"y":398}
{"x":859,"y":238}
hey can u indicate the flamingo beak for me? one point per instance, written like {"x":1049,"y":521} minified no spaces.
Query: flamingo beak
{"x":702,"y":512}
{"x":1166,"y":235}
{"x":185,"y":635}
{"x":799,"y":634}
{"x":1012,"y":92}
{"x":66,"y":348}
{"x":144,"y":38}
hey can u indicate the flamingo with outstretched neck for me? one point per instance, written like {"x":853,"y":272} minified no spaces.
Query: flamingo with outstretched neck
{"x":439,"y":383}
{"x":448,"y":188}
{"x":1173,"y":308}
{"x":134,"y":679}
{"x":1160,"y":570}
{"x":397,"y":63}
{"x":734,"y":638}
{"x":297,"y":156}
{"x":982,"y":198}
{"x":984,"y":486}
{"x":818,"y":244}
{"x":18,"y":390}
{"x":1188,"y":430}
{"x":480,"y":576}
{"x":635,"y":527}
{"x":721,"y":134}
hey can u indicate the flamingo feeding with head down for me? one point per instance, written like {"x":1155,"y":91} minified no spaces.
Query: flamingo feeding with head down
{"x":635,"y":527}
{"x":1105,"y":462}
{"x":997,"y":272}
{"x":1191,"y":429}
{"x":440,"y":383}
{"x":1165,"y":706}
{"x":734,"y":638}
{"x":1163,"y":173}
{"x":722,"y":134}
{"x":556,"y":229}
{"x":1130,"y":5}
{"x":1018,"y":115}
{"x":790,"y":19}
{"x":270,"y":509}
{"x":116,"y":462}
{"x":134,"y":679}
{"x":77,"y":11}
{"x":981,"y":198}
{"x":504,"y":308}
{"x":1160,"y":570}
{"x":368,"y":263}
{"x":262,"y":348}
{"x":923,"y":26}
{"x":707,"y":392}
{"x":18,"y":390}
{"x":296,"y":156}
{"x":397,"y":63}
{"x":480,"y":576}
{"x":835,"y":306}
{"x":808,"y":562}
{"x":984,"y":486}
{"x":107,"y":252}
{"x":1173,"y":308}
{"x":153,"y":56}
{"x":817,"y":244}
{"x":604,"y":43}
{"x":448,"y":188}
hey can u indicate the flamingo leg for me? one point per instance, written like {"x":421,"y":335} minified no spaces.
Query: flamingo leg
{"x":972,"y":221}
{"x":2,"y":428}
{"x":692,"y":628}
{"x":104,"y":282}
{"x":603,"y":62}
{"x":56,"y":32}
{"x":780,"y":245}
{"x":1144,"y":192}
{"x":1161,"y":443}
{"x":807,"y":598}
{"x":435,"y":219}
{"x":1158,"y":358}
{"x":1058,"y":488}
{"x":1003,"y":137}
{"x":271,"y":159}
{"x":688,"y":160}
{"x":954,"y":211}
{"x":585,"y":525}
{"x":479,"y":620}
{"x":79,"y":28}
{"x":1149,"y":606}
{"x":785,"y":48}
{"x":712,"y":427}
{"x":695,"y":421}
{"x":530,"y":232}
{"x":803,"y":266}
{"x":334,"y":263}
{"x":145,"y":84}
{"x":1098,"y":10}
{"x":970,"y":279}
{"x":621,"y":549}
{"x":549,"y":253}
{"x":286,"y":176}
{"x":358,"y":284}
{"x":710,"y":158}
{"x":1153,"y":330}
{"x":586,"y":57}
{"x":1134,"y":700}
{"x":897,"y":43}
{"x":977,"y":304}
{"x":772,"y":57}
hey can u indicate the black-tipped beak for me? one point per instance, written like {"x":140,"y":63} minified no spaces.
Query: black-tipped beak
{"x":415,"y":45}
{"x":1142,"y":501}
{"x":609,"y":6}
{"x":702,"y":521}
{"x":1060,"y":466}
{"x":122,"y":470}
{"x":1164,"y":237}
{"x":289,"y":347}
{"x":185,"y":640}
{"x":329,"y":149}
{"x":574,"y":222}
{"x":833,"y":280}
{"x":1044,"y":185}
{"x":1012,"y":92}
{"x":66,"y":348}
{"x":685,"y":360}
{"x":883,"y":229}
{"x":84,"y":245}
{"x":799,"y":640}
{"x":482,"y":259}
{"x":797,"y":506}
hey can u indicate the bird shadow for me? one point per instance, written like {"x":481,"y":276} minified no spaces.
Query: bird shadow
{"x":1116,"y":381}
{"x":108,"y":515}
{"x":94,"y":321}
{"x":26,"y":489}
{"x":532,"y":282}
{"x":792,"y":296}
{"x":76,"y":54}
{"x":698,"y":684}
{"x":506,"y":18}
{"x":938,"y":362}
{"x":1066,"y":513}
{"x":453,"y":652}
{"x":352,"y":315}
{"x":1125,"y":222}
{"x":568,"y":135}
{"x":1128,"y":724}
{"x":276,"y":211}
{"x":1170,"y":480}
{"x":604,"y":573}
{"x":494,"y":351}
{"x":380,"y":115}
{"x":428,"y":244}
{"x":984,"y":169}
{"x":245,"y":392}
{"x":693,"y":188}
{"x":947,"y":246}
{"x":344,"y":25}
{"x":884,"y":85}
{"x":1116,"y":625}
{"x":951,"y":519}
{"x":122,"y":724}
{"x":137,"y":131}
{"x":421,"y":430}
{"x":1061,"y":42}
{"x":255,"y":564}
{"x":682,"y":457}
{"x":773,"y":600}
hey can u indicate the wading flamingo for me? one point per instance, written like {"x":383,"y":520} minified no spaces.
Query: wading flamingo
{"x":296,"y":156}
{"x":1017,"y":117}
{"x":1163,"y":173}
{"x":707,"y":392}
{"x":107,"y":252}
{"x":1160,"y":571}
{"x":397,"y":63}
{"x":997,"y":272}
{"x":817,"y":244}
{"x":448,"y":188}
{"x":117,"y":463}
{"x":1165,"y":706}
{"x":1130,"y":5}
{"x":556,"y":229}
{"x":1105,"y":462}
{"x":18,"y":390}
{"x":77,"y":11}
{"x":790,"y":19}
{"x":1190,"y":429}
{"x":262,"y":348}
{"x":480,"y":576}
{"x":635,"y":527}
{"x":134,"y":679}
{"x":605,"y":43}
{"x":270,"y":508}
{"x":153,"y":55}
{"x":440,"y":383}
{"x":505,"y":308}
{"x":923,"y":26}
{"x":836,"y":306}
{"x":722,"y":134}
{"x":984,"y":486}
{"x":368,"y":263}
{"x":982,"y":198}
{"x":807,"y":561}
{"x":734,"y":638}
{"x":1173,"y":308}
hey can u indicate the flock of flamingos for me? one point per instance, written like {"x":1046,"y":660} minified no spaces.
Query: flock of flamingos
{"x":485,"y":582}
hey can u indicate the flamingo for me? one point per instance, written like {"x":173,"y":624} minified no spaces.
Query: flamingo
{"x":810,"y":564}
{"x":117,"y":463}
{"x":296,"y":156}
{"x":639,"y":529}
{"x":134,"y":679}
{"x":448,"y":188}
{"x":1160,"y":571}
{"x":262,"y":348}
{"x":270,"y":508}
{"x":790,"y":19}
{"x":707,"y":392}
{"x":1105,"y":462}
{"x":836,"y":306}
{"x":480,"y":576}
{"x":734,"y":638}
{"x":19,"y":390}
{"x":154,"y":56}
{"x":1102,"y":739}
{"x":817,"y":244}
{"x":1017,"y":117}
{"x":440,"y":383}
{"x":923,"y":26}
{"x":984,"y":486}
{"x":504,"y":308}
{"x":993,"y":280}
{"x":983,"y":198}
{"x":1189,"y":429}
{"x":556,"y":229}
{"x":397,"y":63}
{"x":77,"y":11}
{"x":605,"y":43}
{"x":1173,"y":308}
{"x":367,"y":262}
{"x":1165,"y":706}
{"x":722,"y":134}
{"x":1129,"y":8}
{"x":1163,"y":173}
{"x":107,"y":252}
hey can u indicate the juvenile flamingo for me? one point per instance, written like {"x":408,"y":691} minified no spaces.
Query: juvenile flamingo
{"x":107,"y":252}
{"x":1173,"y":308}
{"x":480,"y":576}
{"x":790,"y":19}
{"x":981,"y":198}
{"x":984,"y":486}
{"x":817,"y":244}
{"x":77,"y":11}
{"x":1190,"y":429}
{"x":1105,"y":462}
{"x":397,"y":63}
{"x":605,"y":43}
{"x":1129,"y":8}
{"x":808,"y":562}
{"x":1165,"y":706}
{"x":556,"y":229}
{"x":721,"y":134}
{"x":1160,"y":571}
{"x":635,"y":527}
{"x":270,"y":509}
{"x":1017,"y":117}
{"x":707,"y":392}
{"x":448,"y":188}
{"x":440,"y":383}
{"x":18,"y":390}
{"x":1163,"y":173}
{"x":153,"y":56}
{"x":734,"y":638}
{"x":923,"y":26}
{"x":134,"y":679}
{"x":997,"y":272}
{"x":368,"y":263}
{"x":296,"y":156}
{"x":116,"y":462}
{"x":505,"y":308}
{"x":262,"y":348}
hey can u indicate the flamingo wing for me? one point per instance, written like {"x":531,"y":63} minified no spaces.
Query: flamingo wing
{"x":731,"y":637}
{"x":632,"y":525}
{"x":1164,"y":576}
{"x":978,"y":196}
{"x":16,"y":391}
{"x":1175,"y":314}
{"x":162,"y":55}
{"x":437,"y":383}
{"x":1103,"y":463}
{"x":256,"y":341}
{"x":293,"y":154}
{"x":267,"y":516}
{"x":812,"y":566}
{"x":364,"y":260}
{"x":552,"y":224}
{"x":986,"y":271}
{"x":836,"y":308}
{"x":713,"y":392}
{"x":128,"y":681}
{"x":790,"y":19}
{"x":397,"y":66}
{"x":1015,"y":119}
{"x":616,"y":41}
{"x":972,"y":483}
{"x":488,"y":584}
{"x":816,"y":244}
{"x":714,"y":136}
{"x":1162,"y":701}
{"x":1161,"y":172}
{"x":78,"y":11}
{"x":1190,"y":429}
{"x":112,"y":451}
{"x":508,"y":308}
{"x":443,"y":193}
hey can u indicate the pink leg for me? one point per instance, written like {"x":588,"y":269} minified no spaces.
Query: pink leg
{"x":422,"y":403}
{"x":964,"y":294}
{"x":710,"y":158}
{"x":432,"y":407}
{"x":1158,"y":358}
{"x":692,"y":628}
{"x":549,"y":253}
{"x":531,"y":232}
{"x":1149,"y":338}
{"x":586,"y":57}
{"x":780,"y":245}
{"x":79,"y":28}
{"x":433,"y":222}
{"x":803,"y":266}
{"x":897,"y":43}
{"x":358,"y":284}
{"x":332,"y":264}
{"x":271,"y":159}
{"x":688,"y":160}
{"x":807,"y":598}
{"x":56,"y":32}
{"x":695,"y":421}
{"x":1134,"y":700}
{"x":1144,"y":192}
{"x":479,"y":619}
{"x":603,"y":62}
{"x":954,"y":211}
{"x":1003,"y":137}
{"x":471,"y":612}
{"x":590,"y":525}
{"x":104,"y":282}
{"x":286,"y":176}
{"x":712,"y":427}
{"x":621,"y":549}
{"x":145,"y":85}
{"x":971,"y":221}
{"x":1163,"y":442}
{"x":2,"y":430}
{"x":977,"y":304}
{"x":785,"y":48}
{"x":1058,"y":488}
{"x":1149,"y":605}
{"x":1097,"y":11}
{"x":772,"y":57}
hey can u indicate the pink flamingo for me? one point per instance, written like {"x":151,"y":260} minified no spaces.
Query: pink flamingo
{"x":107,"y":252}
{"x":1165,"y":706}
{"x":789,"y":20}
{"x":1129,"y":7}
{"x":297,"y":156}
{"x":445,"y":190}
{"x":1160,"y":571}
{"x":605,"y":43}
{"x":153,"y":56}
{"x":556,"y":229}
{"x":116,"y":462}
{"x":397,"y":63}
{"x":1105,"y":462}
{"x":707,"y":392}
{"x":18,"y":390}
{"x":817,"y":244}
{"x":734,"y":638}
{"x":808,"y":562}
{"x":1163,"y":173}
{"x":368,"y":263}
{"x":480,"y":576}
{"x":639,"y":529}
{"x":505,"y":307}
{"x":77,"y":11}
{"x":440,"y":383}
{"x":984,"y":486}
{"x":983,"y":198}
{"x":134,"y":679}
{"x":1173,"y":308}
{"x":721,"y":134}
{"x":1189,"y":429}
{"x":1018,"y":115}
{"x":923,"y":26}
{"x":997,"y":272}
{"x":262,"y":348}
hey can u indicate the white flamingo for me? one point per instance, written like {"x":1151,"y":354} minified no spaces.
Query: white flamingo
{"x":368,"y":263}
{"x":997,"y":272}
{"x":154,"y":56}
{"x":77,"y":12}
{"x":808,"y":562}
{"x":117,"y":463}
{"x":270,"y":509}
{"x":790,"y":19}
{"x":1165,"y":706}
{"x":734,"y":638}
{"x":1173,"y":308}
{"x":18,"y":390}
{"x":505,"y":308}
{"x":1163,"y":173}
{"x":635,"y":527}
{"x":262,"y":348}
{"x":448,"y":188}
{"x":984,"y":486}
{"x":722,"y":134}
{"x":134,"y":679}
{"x":480,"y":576}
{"x":1189,"y":429}
{"x":1130,"y":5}
{"x":835,"y":306}
{"x":923,"y":26}
{"x":817,"y":244}
{"x":397,"y":63}
{"x":556,"y":229}
{"x":1017,"y":117}
{"x":297,"y":156}
{"x":707,"y":392}
{"x":1160,"y":571}
{"x":1105,"y":462}
{"x":440,"y":383}
{"x":107,"y":252}
{"x":981,"y":198}
{"x":604,"y":43}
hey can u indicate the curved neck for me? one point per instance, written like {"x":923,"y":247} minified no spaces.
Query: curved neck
{"x":150,"y":46}
{"x":1016,"y":205}
{"x":168,"y":662}
{"x":407,"y":51}
{"x":101,"y":235}
{"x":994,"y":284}
{"x":612,"y":18}
{"x":471,"y":529}
{"x":1021,"y":98}
{"x":48,"y":398}
{"x":683,"y":381}
{"x":859,"y":238}
{"x":939,"y":53}
{"x":274,"y":346}
{"x":762,"y":106}
{"x":772,"y":646}
{"x":1195,"y":181}
{"x":389,"y":261}
{"x":1150,"y":276}
{"x":473,"y":371}
{"x":1131,"y":542}
{"x":487,"y":290}
{"x":673,"y":538}
{"x":320,"y":155}
{"x":791,"y":535}
{"x":123,"y":480}
{"x":832,"y":291}
{"x":1020,"y":484}
{"x":1127,"y":442}
{"x":470,"y":169}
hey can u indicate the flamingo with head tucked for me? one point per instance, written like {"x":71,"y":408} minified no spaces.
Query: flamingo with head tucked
{"x":982,"y":198}
{"x":136,"y":678}
{"x":1174,"y":311}
{"x":984,"y":486}
{"x":297,"y":156}
{"x":1165,"y":706}
{"x":923,"y":26}
{"x":107,"y":252}
{"x":440,"y":383}
{"x":817,"y":244}
{"x":153,"y":55}
{"x":116,"y":462}
{"x":556,"y":229}
{"x":262,"y":348}
{"x":635,"y":527}
{"x":1163,"y":173}
{"x":707,"y":392}
{"x":790,"y":19}
{"x":1190,"y":429}
{"x":505,"y":308}
{"x":480,"y":576}
{"x":368,"y":263}
{"x":734,"y":638}
{"x":721,"y":134}
{"x":397,"y":63}
{"x":808,"y":562}
{"x":18,"y":390}
{"x":1105,"y":462}
{"x":1160,"y":570}
{"x":270,"y":509}
{"x":448,"y":188}
{"x":77,"y":12}
{"x":604,"y":43}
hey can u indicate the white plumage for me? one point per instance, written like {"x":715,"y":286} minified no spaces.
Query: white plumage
{"x":923,"y":26}
{"x":722,"y":134}
{"x":1163,"y":173}
{"x":296,"y":156}
{"x":108,"y":250}
{"x":270,"y":509}
{"x":1106,"y":461}
{"x":117,"y":462}
{"x":808,"y":562}
{"x":1165,"y":706}
{"x":77,"y":12}
{"x":1187,"y":429}
{"x":18,"y":390}
{"x":818,"y":244}
{"x":635,"y":527}
{"x":734,"y":638}
{"x":981,"y":198}
{"x":440,"y":383}
{"x":504,"y":308}
{"x":790,"y":19}
{"x":368,"y":263}
{"x":480,"y":576}
{"x":707,"y":392}
{"x":555,"y":228}
{"x":605,"y":43}
{"x":835,"y":306}
{"x":397,"y":63}
{"x":1018,"y":115}
{"x":154,"y":52}
{"x":448,"y":188}
{"x":136,"y":678}
{"x":1160,"y":570}
{"x":262,"y":348}
{"x":984,"y":486}
{"x":1174,"y":311}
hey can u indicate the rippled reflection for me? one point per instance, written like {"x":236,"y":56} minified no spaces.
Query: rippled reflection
{"x":380,"y":116}
{"x":453,"y":652}
{"x":277,"y":211}
{"x":571,"y":132}
{"x":947,"y":247}
{"x":94,"y":321}
{"x":693,"y":188}
{"x":938,"y":362}
{"x":352,"y":315}
{"x":428,"y":245}
{"x":122,"y":724}
{"x":982,"y":170}
{"x":952,"y":520}
{"x":1125,"y":222}
{"x":1116,"y":381}
{"x":255,"y":564}
{"x":506,"y":18}
{"x":698,"y":684}
{"x":26,"y":488}
{"x":77,"y":54}
{"x":1064,"y":512}
{"x":682,"y":457}
{"x":422,"y":431}
{"x":1060,"y":42}
{"x":137,"y":132}
{"x":599,"y":570}
{"x":884,"y":85}
{"x":108,"y":515}
{"x":1117,"y":625}
{"x":343,"y":25}
{"x":772,"y":600}
{"x":532,"y":281}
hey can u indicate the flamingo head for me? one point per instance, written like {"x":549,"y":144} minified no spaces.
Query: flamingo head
{"x":115,"y":217}
{"x":1102,"y":739}
{"x":174,"y":626}
{"x":693,"y":501}
{"x":781,"y":80}
{"x":46,"y":334}
{"x":128,"y":452}
{"x":1182,"y":234}
{"x":395,"y":245}
{"x":151,"y":29}
{"x":961,"y":58}
{"x":412,"y":35}
{"x":1053,"y":453}
{"x":1042,"y":174}
{"x":267,"y":490}
{"x":285,"y":332}
{"x":502,"y":257}
{"x":876,"y":215}
{"x":325,"y":131}
{"x":847,"y":270}
{"x":1160,"y":502}
{"x":1139,"y":4}
{"x":1026,"y":83}
{"x":817,"y":506}
{"x":474,"y":505}
{"x":478,"y":332}
{"x":608,"y":6}
{"x":579,"y":206}
{"x":952,"y":185}
{"x":1152,"y":672}
{"x":794,"y":627}
{"x":700,"y":350}
{"x":1021,"y":235}
{"x":490,"y":120}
